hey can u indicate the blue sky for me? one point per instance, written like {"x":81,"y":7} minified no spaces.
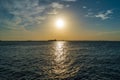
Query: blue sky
{"x":33,"y":19}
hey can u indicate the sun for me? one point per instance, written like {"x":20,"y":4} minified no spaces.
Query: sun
{"x":60,"y":23}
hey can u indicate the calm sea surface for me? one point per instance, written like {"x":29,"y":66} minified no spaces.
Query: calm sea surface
{"x":60,"y":60}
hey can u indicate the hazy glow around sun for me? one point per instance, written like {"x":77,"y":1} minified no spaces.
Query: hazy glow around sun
{"x":60,"y":23}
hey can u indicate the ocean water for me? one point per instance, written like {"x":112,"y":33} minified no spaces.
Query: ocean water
{"x":60,"y":60}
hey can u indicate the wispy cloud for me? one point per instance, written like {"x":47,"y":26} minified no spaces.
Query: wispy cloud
{"x":84,"y":7}
{"x":29,"y":13}
{"x":57,"y":5}
{"x":102,"y":15}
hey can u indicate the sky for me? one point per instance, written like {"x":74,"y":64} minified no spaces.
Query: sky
{"x":84,"y":19}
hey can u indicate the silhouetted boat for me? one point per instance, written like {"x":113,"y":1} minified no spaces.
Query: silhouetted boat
{"x":52,"y":40}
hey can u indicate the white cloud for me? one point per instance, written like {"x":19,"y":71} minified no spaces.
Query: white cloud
{"x":84,"y":7}
{"x":109,"y":12}
{"x":101,"y":15}
{"x":57,"y":5}
{"x":89,"y":14}
{"x":53,"y":12}
{"x":104,"y":15}
{"x":67,"y":5}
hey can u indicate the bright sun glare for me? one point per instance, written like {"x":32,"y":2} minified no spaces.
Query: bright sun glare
{"x":59,"y":23}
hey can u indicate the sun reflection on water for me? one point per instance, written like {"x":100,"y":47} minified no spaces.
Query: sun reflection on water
{"x":62,"y":61}
{"x":59,"y":58}
{"x":59,"y":52}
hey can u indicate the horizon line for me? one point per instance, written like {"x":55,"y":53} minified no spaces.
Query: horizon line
{"x":58,"y":40}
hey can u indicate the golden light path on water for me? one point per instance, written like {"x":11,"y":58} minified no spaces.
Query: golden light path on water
{"x":59,"y":58}
{"x":62,"y":61}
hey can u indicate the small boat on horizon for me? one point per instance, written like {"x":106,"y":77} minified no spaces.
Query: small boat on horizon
{"x":52,"y":40}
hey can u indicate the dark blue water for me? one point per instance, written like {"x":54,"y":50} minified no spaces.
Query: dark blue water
{"x":60,"y":60}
